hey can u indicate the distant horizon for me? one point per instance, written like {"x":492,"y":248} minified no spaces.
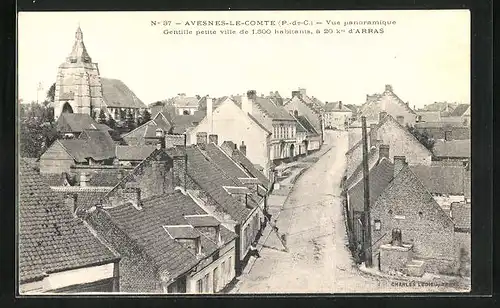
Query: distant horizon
{"x":425,"y":57}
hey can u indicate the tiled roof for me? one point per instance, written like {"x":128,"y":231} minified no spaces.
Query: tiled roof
{"x":379,"y":177}
{"x":313,"y":104}
{"x":202,"y":220}
{"x":108,"y":177}
{"x":182,"y":232}
{"x":461,"y":215}
{"x":117,"y":94}
{"x":452,"y":148}
{"x":75,"y":122}
{"x":182,"y":122}
{"x":335,"y":107}
{"x":145,"y":227}
{"x":136,"y":153}
{"x":212,"y":180}
{"x":448,"y":180}
{"x":250,"y":168}
{"x":406,"y":189}
{"x":373,"y":105}
{"x":86,"y":196}
{"x":459,"y":110}
{"x":442,"y":124}
{"x":307,"y":125}
{"x":440,"y":106}
{"x":56,"y":179}
{"x":51,"y":239}
{"x":356,"y":174}
{"x":272,"y":110}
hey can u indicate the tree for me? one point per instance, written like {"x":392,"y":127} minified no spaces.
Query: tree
{"x":102,"y":117}
{"x":146,"y":116}
{"x":423,"y":137}
{"x":111,"y":122}
{"x":51,"y":93}
{"x":37,"y":131}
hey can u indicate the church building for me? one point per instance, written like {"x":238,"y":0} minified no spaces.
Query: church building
{"x":80,"y":89}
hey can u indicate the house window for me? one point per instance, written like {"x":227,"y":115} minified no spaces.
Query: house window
{"x":377,"y":225}
{"x":206,"y":283}
{"x":199,"y":286}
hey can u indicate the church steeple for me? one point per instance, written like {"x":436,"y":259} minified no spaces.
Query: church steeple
{"x":79,"y":52}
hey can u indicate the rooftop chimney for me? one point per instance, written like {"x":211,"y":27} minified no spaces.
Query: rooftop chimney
{"x":388,"y":88}
{"x":296,"y":93}
{"x":246,"y":101}
{"x":201,"y":139}
{"x":159,"y":132}
{"x":448,"y":135}
{"x":84,"y":179}
{"x":132,"y":193}
{"x":340,"y":105}
{"x":401,"y":120}
{"x":210,"y":115}
{"x":381,"y":116}
{"x":302,"y":91}
{"x":213,"y":138}
{"x":373,"y":135}
{"x":399,"y":163}
{"x":243,"y":148}
{"x":70,"y":200}
{"x":383,"y":151}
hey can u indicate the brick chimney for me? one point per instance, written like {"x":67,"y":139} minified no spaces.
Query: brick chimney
{"x":132,"y":193}
{"x":383,"y":151}
{"x":201,"y":139}
{"x":296,"y":93}
{"x":340,"y":105}
{"x":70,"y":200}
{"x":243,"y":148}
{"x":247,"y":101}
{"x":159,"y":133}
{"x":228,"y":147}
{"x":401,"y":120}
{"x":84,"y":179}
{"x":302,"y":91}
{"x":448,"y":135}
{"x":213,"y":138}
{"x":373,"y":135}
{"x":388,"y":88}
{"x":381,"y":116}
{"x":399,"y":163}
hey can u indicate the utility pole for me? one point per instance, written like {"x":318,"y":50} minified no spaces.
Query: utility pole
{"x":367,"y":231}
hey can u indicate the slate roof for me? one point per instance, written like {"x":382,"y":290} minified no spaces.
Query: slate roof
{"x":75,"y":123}
{"x":379,"y":178}
{"x":183,"y":122}
{"x":271,"y":110}
{"x":452,"y":148}
{"x":145,"y":227}
{"x":430,"y":116}
{"x":335,"y":107}
{"x":51,"y":239}
{"x":461,"y":215}
{"x":313,"y":104}
{"x":211,"y":180}
{"x":307,"y":125}
{"x":459,"y":110}
{"x":134,"y":153}
{"x":357,"y":173}
{"x":448,"y":180}
{"x":117,"y":95}
{"x":94,"y":144}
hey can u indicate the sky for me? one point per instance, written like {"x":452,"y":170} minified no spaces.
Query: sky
{"x":425,"y":55}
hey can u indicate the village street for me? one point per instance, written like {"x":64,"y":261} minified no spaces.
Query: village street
{"x":318,"y":260}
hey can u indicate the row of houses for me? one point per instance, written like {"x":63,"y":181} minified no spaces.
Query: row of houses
{"x":180,"y":220}
{"x":419,"y":201}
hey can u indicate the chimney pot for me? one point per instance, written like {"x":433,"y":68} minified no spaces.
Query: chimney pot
{"x":159,"y":132}
{"x":399,"y":163}
{"x":388,"y":88}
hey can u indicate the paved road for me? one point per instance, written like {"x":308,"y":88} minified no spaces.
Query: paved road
{"x":318,"y":259}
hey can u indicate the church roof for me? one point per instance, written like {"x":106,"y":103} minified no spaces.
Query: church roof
{"x":117,"y":95}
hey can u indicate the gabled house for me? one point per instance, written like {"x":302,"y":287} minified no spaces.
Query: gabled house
{"x":400,"y":140}
{"x":71,"y":125}
{"x":58,"y":253}
{"x":227,"y":121}
{"x":148,"y":133}
{"x":185,"y":105}
{"x":337,"y":116}
{"x":168,"y":242}
{"x":308,"y":139}
{"x":303,"y":105}
{"x":92,"y":147}
{"x":408,"y":222}
{"x":390,"y":103}
{"x":428,"y":116}
{"x":129,"y":155}
{"x":462,"y":111}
